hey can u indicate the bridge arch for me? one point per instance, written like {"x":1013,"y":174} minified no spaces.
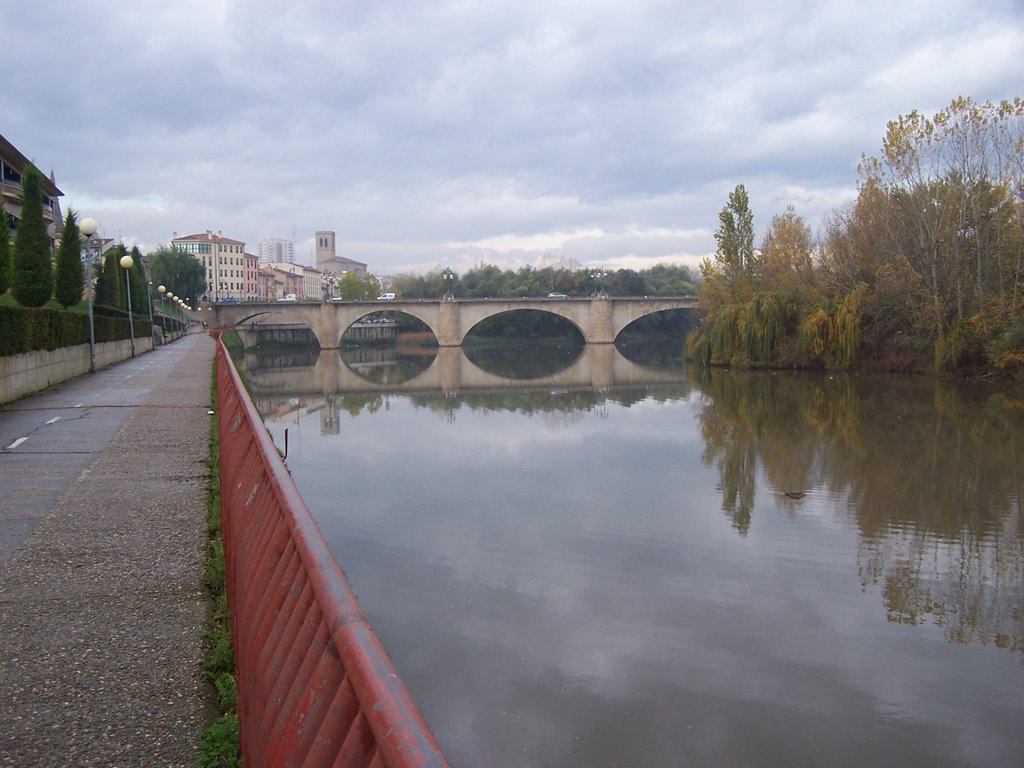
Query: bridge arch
{"x":599,"y":319}
{"x":544,"y":310}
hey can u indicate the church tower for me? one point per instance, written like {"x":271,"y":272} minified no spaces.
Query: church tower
{"x":324,"y":248}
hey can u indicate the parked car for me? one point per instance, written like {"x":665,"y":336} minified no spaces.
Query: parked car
{"x":557,"y":295}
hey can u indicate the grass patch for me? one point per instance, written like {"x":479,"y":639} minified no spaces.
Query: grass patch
{"x":218,"y":746}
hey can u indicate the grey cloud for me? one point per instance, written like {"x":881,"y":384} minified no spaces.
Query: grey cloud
{"x":405,"y":127}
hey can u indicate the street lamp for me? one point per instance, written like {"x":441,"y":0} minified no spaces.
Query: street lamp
{"x":126,"y":264}
{"x":597,"y":276}
{"x":448,"y":277}
{"x":87,"y":227}
{"x":149,"y":298}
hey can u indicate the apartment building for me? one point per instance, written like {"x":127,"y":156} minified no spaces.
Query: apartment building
{"x":231,"y":273}
{"x":276,"y":249}
{"x":12,"y":166}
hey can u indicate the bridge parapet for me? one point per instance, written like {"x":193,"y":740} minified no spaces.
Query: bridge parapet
{"x":599,"y":319}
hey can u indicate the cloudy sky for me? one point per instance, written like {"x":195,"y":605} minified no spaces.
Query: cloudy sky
{"x":431,"y":134}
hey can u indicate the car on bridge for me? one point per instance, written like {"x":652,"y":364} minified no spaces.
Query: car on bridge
{"x":557,"y":295}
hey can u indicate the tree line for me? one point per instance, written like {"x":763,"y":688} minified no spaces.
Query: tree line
{"x":924,"y":268}
{"x":562,"y":276}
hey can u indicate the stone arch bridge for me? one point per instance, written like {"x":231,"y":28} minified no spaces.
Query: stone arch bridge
{"x":599,"y":319}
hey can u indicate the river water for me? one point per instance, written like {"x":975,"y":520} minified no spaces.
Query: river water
{"x":576,"y":559}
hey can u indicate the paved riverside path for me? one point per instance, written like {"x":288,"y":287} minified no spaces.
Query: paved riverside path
{"x":102,"y":531}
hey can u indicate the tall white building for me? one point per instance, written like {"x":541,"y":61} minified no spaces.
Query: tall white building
{"x":276,"y":249}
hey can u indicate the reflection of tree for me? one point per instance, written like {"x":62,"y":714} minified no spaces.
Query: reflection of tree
{"x":386,"y":364}
{"x":568,"y":402}
{"x":353,"y":405}
{"x":930,"y":469}
{"x":533,"y":361}
{"x":766,"y":417}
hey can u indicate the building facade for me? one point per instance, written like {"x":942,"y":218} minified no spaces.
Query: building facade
{"x":231,"y":273}
{"x":328,"y":261}
{"x":308,"y":285}
{"x":12,"y":166}
{"x":276,"y":249}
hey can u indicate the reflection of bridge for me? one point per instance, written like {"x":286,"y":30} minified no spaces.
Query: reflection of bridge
{"x":599,"y":319}
{"x":601,"y":367}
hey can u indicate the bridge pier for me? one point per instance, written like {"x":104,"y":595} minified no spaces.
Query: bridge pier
{"x":599,"y":319}
{"x":449,"y":325}
{"x":601,"y":327}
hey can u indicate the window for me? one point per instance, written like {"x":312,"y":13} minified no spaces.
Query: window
{"x":11,"y":175}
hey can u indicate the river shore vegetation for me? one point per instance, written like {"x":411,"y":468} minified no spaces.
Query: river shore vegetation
{"x":923,"y":270}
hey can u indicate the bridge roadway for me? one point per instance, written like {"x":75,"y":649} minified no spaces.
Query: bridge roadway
{"x":599,"y":319}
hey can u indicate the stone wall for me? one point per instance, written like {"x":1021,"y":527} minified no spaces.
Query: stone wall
{"x":26,"y":374}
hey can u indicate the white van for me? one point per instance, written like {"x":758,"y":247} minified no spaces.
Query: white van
{"x":288,"y":297}
{"x":386,"y":297}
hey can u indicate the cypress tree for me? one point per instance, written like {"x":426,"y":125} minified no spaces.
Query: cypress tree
{"x":139,"y":283}
{"x":109,"y":291}
{"x":33,"y":271}
{"x":6,"y":265}
{"x":70,"y":275}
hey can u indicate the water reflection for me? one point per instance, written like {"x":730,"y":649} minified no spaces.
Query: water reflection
{"x":602,"y":565}
{"x":930,"y":471}
{"x":531,"y":361}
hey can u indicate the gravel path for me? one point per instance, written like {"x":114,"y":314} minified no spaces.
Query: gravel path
{"x":102,"y":611}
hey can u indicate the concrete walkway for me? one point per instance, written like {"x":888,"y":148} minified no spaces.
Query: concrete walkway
{"x":102,"y":531}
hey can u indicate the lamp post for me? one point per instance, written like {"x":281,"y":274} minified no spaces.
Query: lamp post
{"x":126,"y":264}
{"x":448,"y":277}
{"x":598,"y":275}
{"x":149,"y":298}
{"x":87,"y":227}
{"x":161,"y":289}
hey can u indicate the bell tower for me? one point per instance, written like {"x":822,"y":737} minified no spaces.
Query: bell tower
{"x":324,"y":247}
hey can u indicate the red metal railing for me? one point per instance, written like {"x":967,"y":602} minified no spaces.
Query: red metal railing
{"x":315,"y":685}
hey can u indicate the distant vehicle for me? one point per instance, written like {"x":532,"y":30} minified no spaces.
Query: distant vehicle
{"x":557,"y":295}
{"x":386,"y":297}
{"x":337,"y":298}
{"x":229,"y":300}
{"x":288,"y":297}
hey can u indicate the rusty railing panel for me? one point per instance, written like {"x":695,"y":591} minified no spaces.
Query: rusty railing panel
{"x":315,"y":685}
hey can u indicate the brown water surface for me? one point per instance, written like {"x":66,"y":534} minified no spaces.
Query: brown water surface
{"x":725,"y":569}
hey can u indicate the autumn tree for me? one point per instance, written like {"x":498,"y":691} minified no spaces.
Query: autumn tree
{"x":787,"y":255}
{"x":354,"y":286}
{"x":731,"y":275}
{"x":32,"y":281}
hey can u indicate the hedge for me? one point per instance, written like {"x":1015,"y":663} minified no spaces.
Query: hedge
{"x":26,"y":329}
